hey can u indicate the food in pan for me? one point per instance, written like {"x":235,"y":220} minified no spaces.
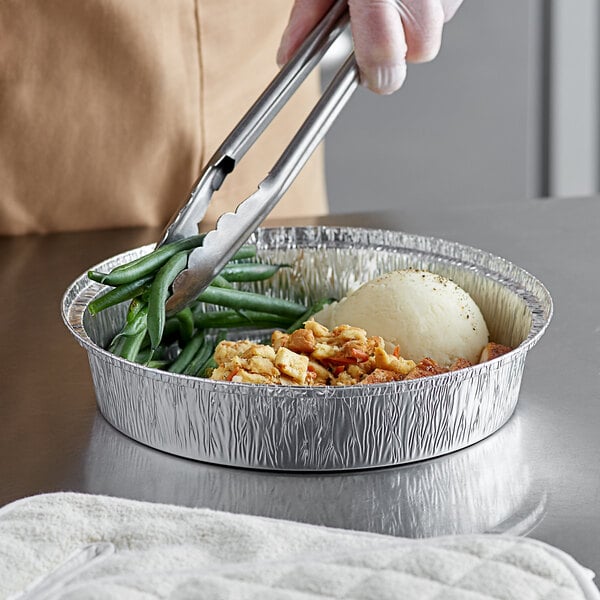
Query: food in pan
{"x":315,"y":355}
{"x":402,"y":325}
{"x":425,"y":314}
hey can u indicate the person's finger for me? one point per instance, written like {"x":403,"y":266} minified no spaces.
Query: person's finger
{"x":423,"y":22}
{"x":379,"y":44}
{"x":305,"y":15}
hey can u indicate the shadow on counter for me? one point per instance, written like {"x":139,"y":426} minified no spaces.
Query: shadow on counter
{"x":484,"y":488}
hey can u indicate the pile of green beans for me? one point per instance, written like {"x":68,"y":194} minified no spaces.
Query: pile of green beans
{"x":185,"y":342}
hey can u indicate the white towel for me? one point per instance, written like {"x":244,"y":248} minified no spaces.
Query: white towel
{"x":164,"y":551}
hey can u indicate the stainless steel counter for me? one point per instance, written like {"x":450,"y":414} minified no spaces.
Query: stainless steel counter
{"x":538,"y":475}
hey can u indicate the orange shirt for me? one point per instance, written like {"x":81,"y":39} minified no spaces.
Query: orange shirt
{"x":109,"y":108}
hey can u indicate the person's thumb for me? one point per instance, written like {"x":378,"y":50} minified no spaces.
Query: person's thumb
{"x":305,"y":16}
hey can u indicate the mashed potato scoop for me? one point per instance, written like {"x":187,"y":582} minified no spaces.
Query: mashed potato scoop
{"x":427,"y":315}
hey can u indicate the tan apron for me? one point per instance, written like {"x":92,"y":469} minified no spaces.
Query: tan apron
{"x":108,"y":109}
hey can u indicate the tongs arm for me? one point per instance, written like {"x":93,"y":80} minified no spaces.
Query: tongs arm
{"x":184,"y":222}
{"x":233,"y":229}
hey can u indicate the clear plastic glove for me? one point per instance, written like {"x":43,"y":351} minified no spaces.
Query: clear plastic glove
{"x":387,"y":34}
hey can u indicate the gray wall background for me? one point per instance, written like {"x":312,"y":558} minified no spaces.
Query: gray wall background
{"x":490,"y":120}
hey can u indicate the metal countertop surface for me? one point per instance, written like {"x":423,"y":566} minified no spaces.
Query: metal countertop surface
{"x":539,"y":475}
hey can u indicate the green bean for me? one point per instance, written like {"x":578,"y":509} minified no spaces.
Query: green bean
{"x":246,"y":251}
{"x":97,"y":276}
{"x":116,"y":345}
{"x":249,"y":271}
{"x":239,"y":299}
{"x":230,"y":319}
{"x":202,"y":355}
{"x":144,"y":356}
{"x":187,"y":354}
{"x":146,"y":264}
{"x":159,"y":292}
{"x":185,"y":318}
{"x":131,"y":345}
{"x":314,"y":308}
{"x":171,"y":333}
{"x":206,"y":369}
{"x":136,"y":323}
{"x":172,"y":329}
{"x":220,"y":281}
{"x":135,"y":306}
{"x":158,"y":364}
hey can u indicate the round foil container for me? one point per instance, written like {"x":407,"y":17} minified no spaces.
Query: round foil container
{"x":324,"y":428}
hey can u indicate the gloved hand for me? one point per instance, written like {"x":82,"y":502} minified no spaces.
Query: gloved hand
{"x":387,"y":34}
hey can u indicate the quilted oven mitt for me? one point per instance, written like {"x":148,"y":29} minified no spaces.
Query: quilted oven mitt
{"x":163,"y":551}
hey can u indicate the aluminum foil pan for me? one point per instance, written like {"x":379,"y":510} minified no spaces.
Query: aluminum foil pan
{"x":325,"y":428}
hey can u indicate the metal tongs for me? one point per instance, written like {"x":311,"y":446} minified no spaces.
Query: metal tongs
{"x":233,"y":229}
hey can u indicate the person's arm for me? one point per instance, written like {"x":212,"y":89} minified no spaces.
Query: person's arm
{"x":387,"y":34}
